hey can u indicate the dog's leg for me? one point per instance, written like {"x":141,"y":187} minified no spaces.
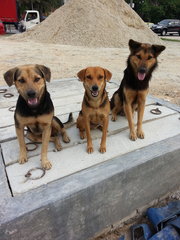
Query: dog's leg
{"x":141,"y":106}
{"x":88,"y":134}
{"x":116,"y":106}
{"x":81,"y":126}
{"x":82,"y":134}
{"x":45,"y":141}
{"x":57,"y":143}
{"x":65,"y":136}
{"x":22,"y":145}
{"x":104,"y":135}
{"x":129,"y":116}
{"x":58,"y":127}
{"x":115,"y":111}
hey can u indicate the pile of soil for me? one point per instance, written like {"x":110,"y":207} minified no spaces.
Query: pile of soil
{"x":96,"y":23}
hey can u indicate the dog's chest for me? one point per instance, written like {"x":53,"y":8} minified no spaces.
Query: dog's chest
{"x":96,"y":118}
{"x":36,"y":128}
{"x":37,"y":125}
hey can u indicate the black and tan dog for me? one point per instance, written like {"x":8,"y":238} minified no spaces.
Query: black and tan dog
{"x":95,"y":105}
{"x":35,"y":110}
{"x":135,"y":84}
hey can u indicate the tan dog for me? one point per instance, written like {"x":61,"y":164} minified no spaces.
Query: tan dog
{"x":95,"y":105}
{"x":35,"y":110}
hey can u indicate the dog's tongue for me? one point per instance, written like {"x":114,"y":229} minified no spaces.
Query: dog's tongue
{"x":94,"y":93}
{"x":141,"y":76}
{"x":32,"y":101}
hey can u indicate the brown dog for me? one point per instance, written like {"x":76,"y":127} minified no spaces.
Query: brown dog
{"x":134,"y":87}
{"x":35,"y":110}
{"x":95,"y":105}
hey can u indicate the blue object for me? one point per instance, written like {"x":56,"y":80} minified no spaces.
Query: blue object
{"x":122,"y":238}
{"x":160,"y":216}
{"x":175,"y":223}
{"x":167,"y":233}
{"x":140,"y":232}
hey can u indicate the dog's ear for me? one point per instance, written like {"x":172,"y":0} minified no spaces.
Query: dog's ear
{"x":9,"y":76}
{"x":158,"y":49}
{"x":133,"y":45}
{"x":81,"y":74}
{"x":46,"y":72}
{"x":108,"y":74}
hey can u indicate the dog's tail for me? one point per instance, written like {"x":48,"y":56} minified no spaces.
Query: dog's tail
{"x":70,"y":122}
{"x":112,"y":102}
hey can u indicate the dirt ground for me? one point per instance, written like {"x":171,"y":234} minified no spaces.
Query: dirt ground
{"x":65,"y":61}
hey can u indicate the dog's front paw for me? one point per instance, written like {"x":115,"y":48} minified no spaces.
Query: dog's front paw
{"x":23,"y":159}
{"x":133,"y":136}
{"x":46,"y":165}
{"x":140,"y":134}
{"x":66,"y":138}
{"x":90,"y":149}
{"x":58,"y":147}
{"x":113,"y":118}
{"x":82,"y":134}
{"x":102,"y":149}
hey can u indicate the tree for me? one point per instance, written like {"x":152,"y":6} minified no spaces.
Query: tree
{"x":44,"y":6}
{"x":156,"y":10}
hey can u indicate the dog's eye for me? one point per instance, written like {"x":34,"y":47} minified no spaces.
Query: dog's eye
{"x":89,"y":76}
{"x":100,"y":77}
{"x":36,"y":79}
{"x":149,"y":57}
{"x":138,"y":56}
{"x":21,"y":80}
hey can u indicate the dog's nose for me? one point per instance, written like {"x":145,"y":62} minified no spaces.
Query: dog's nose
{"x":31,"y":93}
{"x":142,"y":70}
{"x":95,"y":88}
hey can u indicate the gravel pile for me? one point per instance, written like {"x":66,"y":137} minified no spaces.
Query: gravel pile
{"x":95,"y":23}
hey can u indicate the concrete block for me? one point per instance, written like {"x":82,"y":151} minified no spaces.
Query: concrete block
{"x":83,"y":194}
{"x":78,"y":206}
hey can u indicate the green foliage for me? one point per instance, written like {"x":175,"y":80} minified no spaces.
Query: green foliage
{"x":157,"y":10}
{"x":44,"y":6}
{"x":149,"y":10}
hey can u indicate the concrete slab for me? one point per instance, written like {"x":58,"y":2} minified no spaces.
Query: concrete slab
{"x":4,"y":187}
{"x":114,"y":127}
{"x":75,"y":159}
{"x":82,"y":193}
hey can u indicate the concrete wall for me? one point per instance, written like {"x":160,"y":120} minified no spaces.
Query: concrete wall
{"x":84,"y":203}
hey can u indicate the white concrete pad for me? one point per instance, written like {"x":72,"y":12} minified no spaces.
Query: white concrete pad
{"x":74,"y":159}
{"x":114,"y":127}
{"x":67,"y":95}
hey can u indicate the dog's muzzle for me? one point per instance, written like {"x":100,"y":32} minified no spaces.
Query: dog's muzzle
{"x":94,"y":90}
{"x":32,"y":99}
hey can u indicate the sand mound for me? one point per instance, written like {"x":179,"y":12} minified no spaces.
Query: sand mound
{"x":96,"y":23}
